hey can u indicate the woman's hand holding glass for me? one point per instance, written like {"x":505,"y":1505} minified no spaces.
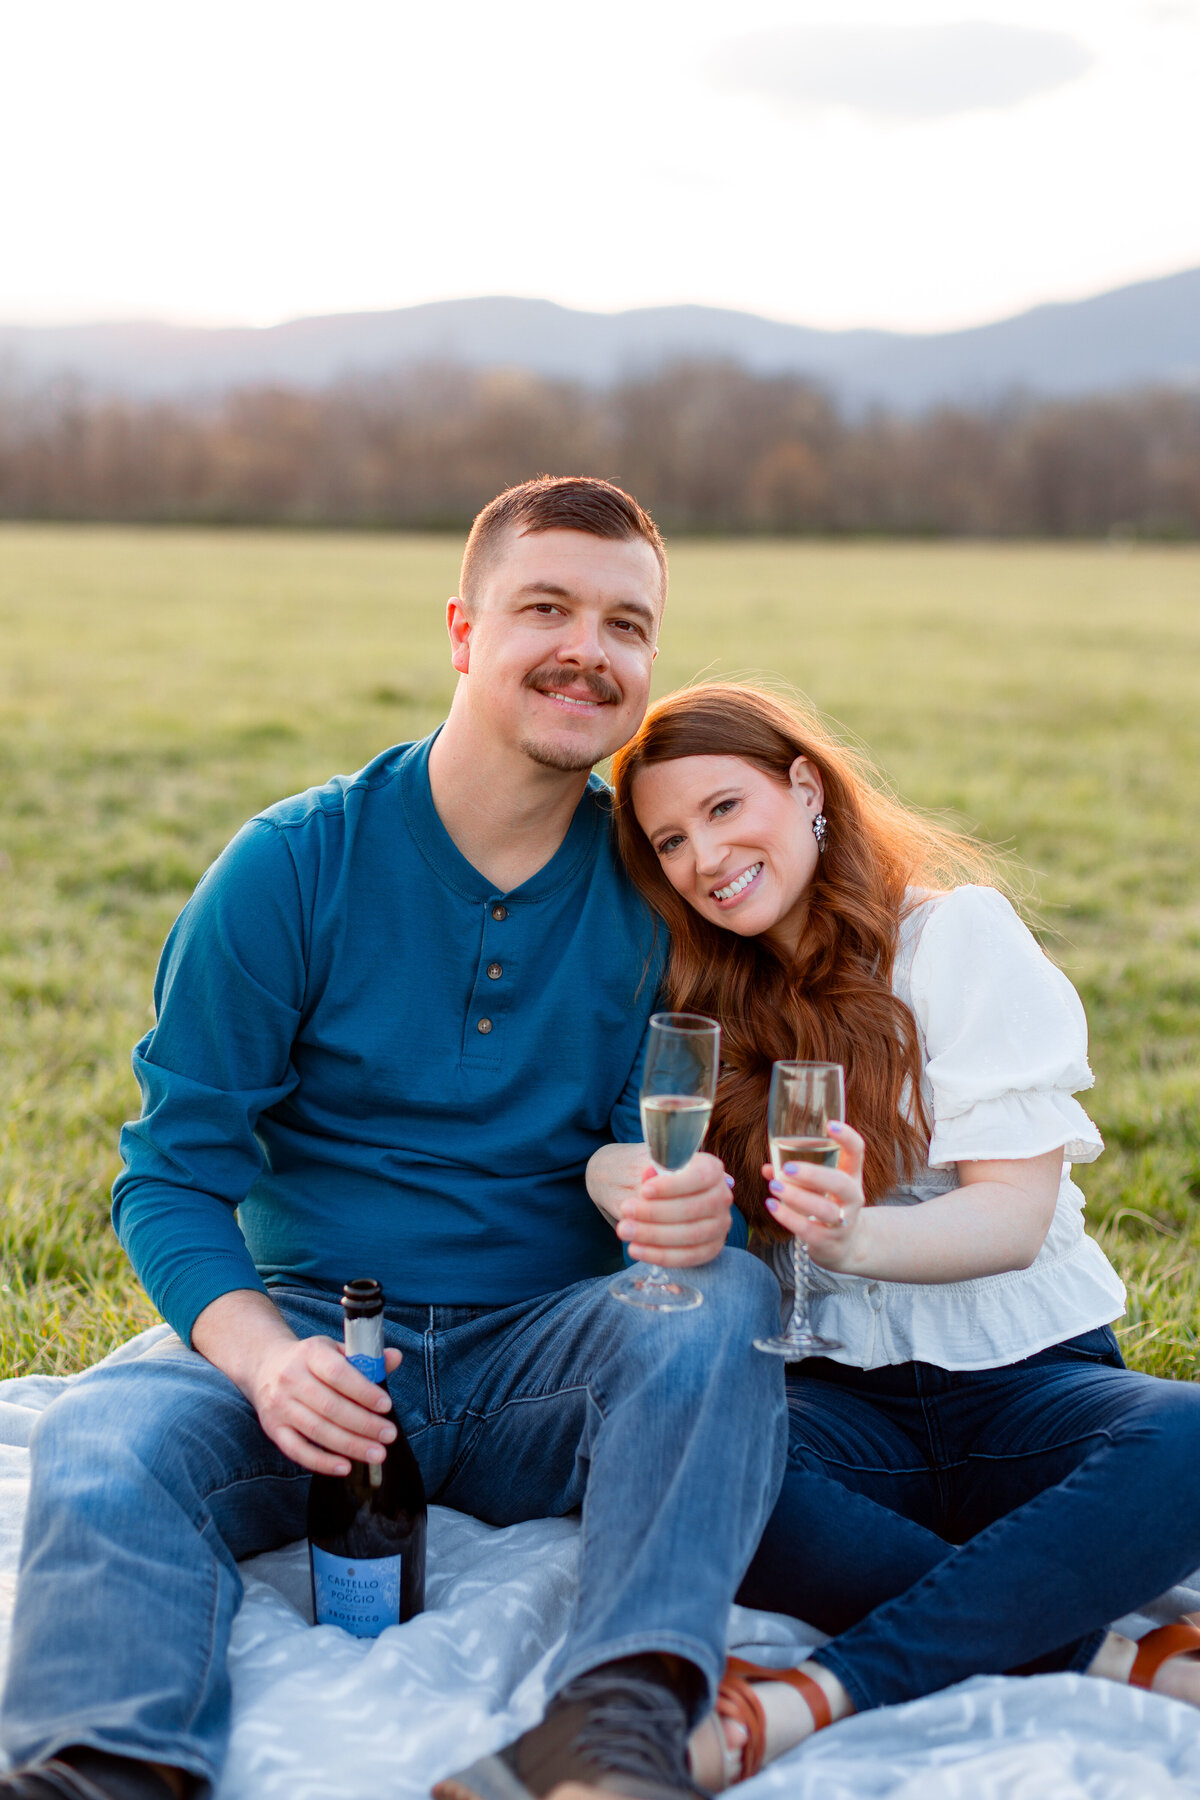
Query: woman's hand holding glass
{"x":823,"y":1207}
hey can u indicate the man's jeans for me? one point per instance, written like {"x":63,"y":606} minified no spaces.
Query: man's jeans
{"x":151,"y":1479}
{"x":945,"y":1524}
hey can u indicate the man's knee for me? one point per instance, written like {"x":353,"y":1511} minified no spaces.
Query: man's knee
{"x":78,"y":1426}
{"x":122,"y":1425}
{"x":714,"y":1341}
{"x":740,"y":1294}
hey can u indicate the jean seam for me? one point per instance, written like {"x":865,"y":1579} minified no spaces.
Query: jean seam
{"x":461,"y":1460}
{"x":578,"y":1387}
{"x":861,"y":1468}
{"x":584,"y":1521}
{"x":239,"y":1480}
{"x":1099,"y":1436}
{"x":210,"y":1652}
{"x":939,"y":1467}
{"x":431,"y":1381}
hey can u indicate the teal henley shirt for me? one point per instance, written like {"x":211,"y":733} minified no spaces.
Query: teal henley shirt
{"x":368,"y":1061}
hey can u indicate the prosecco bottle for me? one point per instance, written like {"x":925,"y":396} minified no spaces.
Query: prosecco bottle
{"x":366,"y":1530}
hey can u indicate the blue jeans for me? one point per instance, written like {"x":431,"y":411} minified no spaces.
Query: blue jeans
{"x":944,"y":1524}
{"x":152,"y":1478}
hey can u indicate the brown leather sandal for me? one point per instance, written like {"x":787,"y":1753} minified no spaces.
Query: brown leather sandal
{"x":1158,"y":1647}
{"x":736,"y":1699}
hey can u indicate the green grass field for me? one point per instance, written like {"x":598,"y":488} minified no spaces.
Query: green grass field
{"x":156,"y":688}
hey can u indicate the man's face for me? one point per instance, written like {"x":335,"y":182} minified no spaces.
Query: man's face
{"x":559,"y":642}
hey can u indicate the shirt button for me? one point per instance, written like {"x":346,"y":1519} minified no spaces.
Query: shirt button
{"x":499,"y":912}
{"x":495,"y":971}
{"x":484,"y":1025}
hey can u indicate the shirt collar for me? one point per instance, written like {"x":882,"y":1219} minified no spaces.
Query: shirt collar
{"x":450,"y":865}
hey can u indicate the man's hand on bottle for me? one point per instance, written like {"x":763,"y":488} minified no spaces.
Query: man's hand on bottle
{"x":319,"y":1409}
{"x":310,"y":1401}
{"x":678,"y":1220}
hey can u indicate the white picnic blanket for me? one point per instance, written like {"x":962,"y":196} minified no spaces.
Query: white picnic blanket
{"x":319,"y":1715}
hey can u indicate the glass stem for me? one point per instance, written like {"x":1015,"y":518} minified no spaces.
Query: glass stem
{"x":800,"y":1267}
{"x":656,"y":1277}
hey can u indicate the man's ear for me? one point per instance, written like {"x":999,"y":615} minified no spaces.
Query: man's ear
{"x":459,"y":627}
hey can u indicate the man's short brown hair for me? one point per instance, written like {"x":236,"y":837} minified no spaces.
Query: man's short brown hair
{"x":556,"y":503}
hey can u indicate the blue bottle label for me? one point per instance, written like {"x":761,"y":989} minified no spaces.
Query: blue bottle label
{"x":370,"y":1366}
{"x":362,"y":1597}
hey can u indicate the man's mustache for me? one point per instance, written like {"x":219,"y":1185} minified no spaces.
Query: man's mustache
{"x":555,"y":681}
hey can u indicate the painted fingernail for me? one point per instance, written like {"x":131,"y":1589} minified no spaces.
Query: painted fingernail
{"x":834,"y":1127}
{"x":775,"y":1187}
{"x":729,"y":1181}
{"x":791,"y":1168}
{"x":772,"y":1206}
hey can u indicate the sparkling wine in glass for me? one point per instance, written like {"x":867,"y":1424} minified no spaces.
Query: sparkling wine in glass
{"x":805,"y":1098}
{"x":679,"y":1084}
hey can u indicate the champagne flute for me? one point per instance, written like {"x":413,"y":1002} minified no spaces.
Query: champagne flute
{"x":805,"y":1097}
{"x":679,"y":1085}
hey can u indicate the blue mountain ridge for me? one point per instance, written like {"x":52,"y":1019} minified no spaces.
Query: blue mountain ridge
{"x":1144,"y":334}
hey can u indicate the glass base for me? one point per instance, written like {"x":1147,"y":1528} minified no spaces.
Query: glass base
{"x":658,"y":1291}
{"x":797,"y":1345}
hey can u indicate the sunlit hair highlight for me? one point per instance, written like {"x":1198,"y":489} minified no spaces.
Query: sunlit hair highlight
{"x":832,"y":1001}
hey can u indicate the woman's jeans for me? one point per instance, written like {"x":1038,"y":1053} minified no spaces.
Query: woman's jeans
{"x":942,"y":1524}
{"x":152,"y":1478}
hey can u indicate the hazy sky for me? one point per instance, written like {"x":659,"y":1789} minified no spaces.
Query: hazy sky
{"x":836,"y":162}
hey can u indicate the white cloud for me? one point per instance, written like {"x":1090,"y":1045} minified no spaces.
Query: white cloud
{"x":899,"y":71}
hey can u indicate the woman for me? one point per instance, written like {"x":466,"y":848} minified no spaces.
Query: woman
{"x":975,"y":1481}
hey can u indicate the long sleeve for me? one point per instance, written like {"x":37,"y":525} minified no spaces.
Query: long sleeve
{"x":228,"y":997}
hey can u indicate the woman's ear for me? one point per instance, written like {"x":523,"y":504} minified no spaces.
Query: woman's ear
{"x":805,"y":781}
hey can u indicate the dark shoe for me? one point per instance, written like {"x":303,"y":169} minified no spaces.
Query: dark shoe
{"x":613,"y":1728}
{"x":89,"y":1775}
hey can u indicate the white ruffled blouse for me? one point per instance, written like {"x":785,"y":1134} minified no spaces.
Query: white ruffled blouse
{"x":1004,"y":1044}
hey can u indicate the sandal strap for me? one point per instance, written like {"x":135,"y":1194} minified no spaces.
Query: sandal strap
{"x":810,"y":1691}
{"x":1158,"y":1647}
{"x":736,"y":1699}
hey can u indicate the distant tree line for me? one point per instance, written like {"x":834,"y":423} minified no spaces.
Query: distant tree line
{"x":707,"y":446}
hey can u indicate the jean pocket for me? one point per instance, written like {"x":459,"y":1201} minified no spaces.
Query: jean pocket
{"x":1099,"y":1346}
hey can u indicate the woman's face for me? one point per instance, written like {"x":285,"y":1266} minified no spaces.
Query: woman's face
{"x":736,"y":843}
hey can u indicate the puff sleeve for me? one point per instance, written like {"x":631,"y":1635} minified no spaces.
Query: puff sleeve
{"x":1005,"y":1037}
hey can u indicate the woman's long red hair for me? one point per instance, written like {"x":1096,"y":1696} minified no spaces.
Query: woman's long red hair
{"x":832,"y":1001}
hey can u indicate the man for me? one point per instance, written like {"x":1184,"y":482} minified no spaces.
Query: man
{"x":394,"y":1022}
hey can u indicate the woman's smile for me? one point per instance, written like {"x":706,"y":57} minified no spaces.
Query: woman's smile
{"x":740,"y":886}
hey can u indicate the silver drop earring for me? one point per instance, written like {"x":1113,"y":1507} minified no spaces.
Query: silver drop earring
{"x":820,"y":830}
